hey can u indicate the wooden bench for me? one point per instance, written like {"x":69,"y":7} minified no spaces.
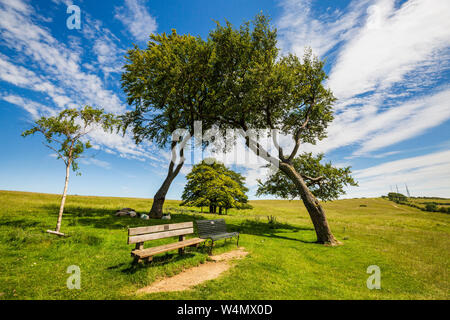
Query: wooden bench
{"x":142,"y":234}
{"x":215,"y":230}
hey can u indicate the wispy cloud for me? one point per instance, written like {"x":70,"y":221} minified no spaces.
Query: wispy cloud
{"x":427,"y":174}
{"x":136,"y":18}
{"x":55,"y":60}
{"x":96,"y":162}
{"x":36,"y":109}
{"x":299,"y":26}
{"x":392,"y":43}
{"x":372,"y":129}
{"x":389,"y":60}
{"x":59,"y":72}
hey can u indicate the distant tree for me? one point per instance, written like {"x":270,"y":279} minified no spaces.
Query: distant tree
{"x":328,"y":182}
{"x":431,"y":207}
{"x":213,"y":185}
{"x":166,"y":85}
{"x":65,"y":134}
{"x":256,"y":88}
{"x":397,"y":197}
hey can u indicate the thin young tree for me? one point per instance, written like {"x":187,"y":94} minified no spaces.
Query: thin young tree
{"x":256,"y":88}
{"x":65,"y":134}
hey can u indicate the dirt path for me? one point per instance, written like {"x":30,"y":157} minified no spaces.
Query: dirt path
{"x":194,"y":276}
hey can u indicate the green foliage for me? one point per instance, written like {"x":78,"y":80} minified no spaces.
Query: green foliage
{"x":414,"y":258}
{"x":65,"y":133}
{"x":431,"y":206}
{"x":328,"y":184}
{"x":443,"y":209}
{"x":167,"y":85}
{"x":211,"y":184}
{"x":397,"y":197}
{"x":256,"y":88}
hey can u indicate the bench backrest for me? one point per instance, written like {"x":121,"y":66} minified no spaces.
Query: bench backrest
{"x":208,"y":227}
{"x":142,"y":234}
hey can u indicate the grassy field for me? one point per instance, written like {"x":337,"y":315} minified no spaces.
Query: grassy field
{"x":421,"y":202}
{"x":410,"y":247}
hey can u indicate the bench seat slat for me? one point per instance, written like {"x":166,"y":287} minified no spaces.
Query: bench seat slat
{"x":160,"y":235}
{"x":144,"y":253}
{"x":222,"y":235}
{"x":159,"y":228}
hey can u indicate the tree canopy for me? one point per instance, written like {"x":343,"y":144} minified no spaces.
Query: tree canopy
{"x":213,"y":185}
{"x":167,"y":85}
{"x":257,"y":88}
{"x":66,"y":134}
{"x":328,"y":182}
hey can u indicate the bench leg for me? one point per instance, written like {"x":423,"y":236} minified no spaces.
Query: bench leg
{"x":212,"y":245}
{"x":150,"y":259}
{"x":181,"y":250}
{"x":136,"y":260}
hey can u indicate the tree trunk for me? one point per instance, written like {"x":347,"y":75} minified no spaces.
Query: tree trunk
{"x":156,"y":211}
{"x":220,"y":210}
{"x":313,"y":206}
{"x":63,"y":200}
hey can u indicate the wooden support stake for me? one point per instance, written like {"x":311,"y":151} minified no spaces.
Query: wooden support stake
{"x":57,"y":233}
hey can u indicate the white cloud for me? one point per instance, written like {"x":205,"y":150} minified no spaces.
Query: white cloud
{"x":300,"y":27}
{"x":54,"y":60}
{"x":96,"y":162}
{"x":392,"y":43}
{"x":426,"y":175}
{"x":373,"y":129}
{"x":59,"y":73}
{"x":34,"y":108}
{"x":386,"y":57}
{"x":135,"y":16}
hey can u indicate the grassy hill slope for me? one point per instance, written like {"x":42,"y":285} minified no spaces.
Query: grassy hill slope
{"x":410,"y":247}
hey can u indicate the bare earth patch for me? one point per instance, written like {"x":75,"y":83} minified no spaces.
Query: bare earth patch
{"x":194,"y":276}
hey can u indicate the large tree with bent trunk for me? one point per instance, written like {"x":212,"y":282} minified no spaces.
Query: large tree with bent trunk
{"x":256,"y":88}
{"x":166,"y":85}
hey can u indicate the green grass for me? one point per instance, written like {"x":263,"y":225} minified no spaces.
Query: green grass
{"x":410,"y":246}
{"x":421,"y":202}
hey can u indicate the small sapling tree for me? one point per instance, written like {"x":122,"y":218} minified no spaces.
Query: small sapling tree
{"x":65,"y":134}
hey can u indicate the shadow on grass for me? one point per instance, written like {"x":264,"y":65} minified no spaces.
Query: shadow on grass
{"x":20,"y":223}
{"x":264,"y":229}
{"x":160,"y":260}
{"x":105,"y":219}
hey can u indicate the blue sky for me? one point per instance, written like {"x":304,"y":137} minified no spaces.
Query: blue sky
{"x":388,"y":64}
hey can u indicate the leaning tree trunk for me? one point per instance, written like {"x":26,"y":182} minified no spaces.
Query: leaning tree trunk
{"x":313,"y":206}
{"x":63,"y":200}
{"x":156,"y":212}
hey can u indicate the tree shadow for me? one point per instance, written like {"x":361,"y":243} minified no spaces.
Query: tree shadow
{"x":105,"y":219}
{"x":159,"y":260}
{"x":270,"y":230}
{"x":20,"y":223}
